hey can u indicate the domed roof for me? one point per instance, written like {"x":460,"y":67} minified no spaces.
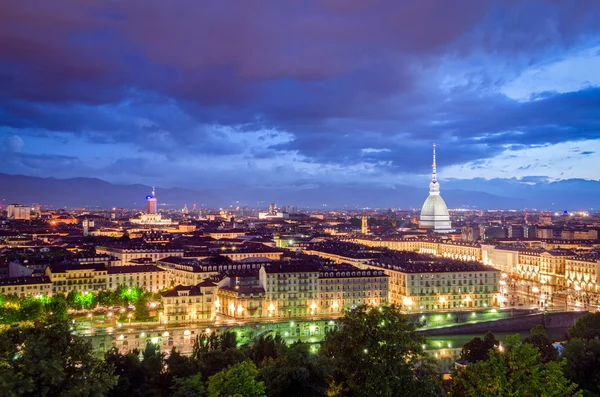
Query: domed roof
{"x":434,"y":213}
{"x":434,"y":206}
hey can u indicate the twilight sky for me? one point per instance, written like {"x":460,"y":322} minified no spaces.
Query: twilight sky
{"x":224,"y":93}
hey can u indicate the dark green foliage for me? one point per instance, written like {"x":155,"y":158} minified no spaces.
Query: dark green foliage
{"x":48,"y":360}
{"x":216,"y":360}
{"x":296,"y":372}
{"x":517,"y":371}
{"x":378,"y":352}
{"x":540,"y":339}
{"x":141,"y":309}
{"x":477,"y":349}
{"x":265,"y":348}
{"x":583,"y":364}
{"x":133,"y":379}
{"x":106,"y":298}
{"x":149,"y":373}
{"x":237,"y":381}
{"x":57,"y":309}
{"x":16,"y":309}
{"x":205,"y":343}
{"x":192,"y":386}
{"x":587,"y":327}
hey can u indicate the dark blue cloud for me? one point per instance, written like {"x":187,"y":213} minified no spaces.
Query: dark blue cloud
{"x":329,"y":84}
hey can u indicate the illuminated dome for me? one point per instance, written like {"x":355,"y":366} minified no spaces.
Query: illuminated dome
{"x":434,"y":214}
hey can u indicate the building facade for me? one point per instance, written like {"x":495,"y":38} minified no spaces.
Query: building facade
{"x":125,"y":255}
{"x":189,"y":303}
{"x":26,"y":286}
{"x":343,"y":287}
{"x":148,"y":277}
{"x":447,"y":285}
{"x":77,"y":277}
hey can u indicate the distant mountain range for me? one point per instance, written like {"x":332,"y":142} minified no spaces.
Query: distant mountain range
{"x":484,"y":194}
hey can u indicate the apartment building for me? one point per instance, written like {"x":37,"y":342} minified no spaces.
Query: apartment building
{"x":125,"y":254}
{"x":582,"y":272}
{"x":344,"y":286}
{"x":546,"y":267}
{"x":189,"y":302}
{"x":82,"y":277}
{"x":241,"y":295}
{"x":149,"y":277}
{"x":26,"y":286}
{"x":291,"y":289}
{"x":460,"y":250}
{"x":420,"y":284}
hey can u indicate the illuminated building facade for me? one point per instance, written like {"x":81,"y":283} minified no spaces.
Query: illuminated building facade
{"x":291,"y":290}
{"x":241,"y":295}
{"x":18,"y":212}
{"x":460,"y":250}
{"x":126,"y":254}
{"x":421,"y":286}
{"x":26,"y":286}
{"x":582,"y":272}
{"x":149,"y":277}
{"x":546,"y":267}
{"x":344,"y":286}
{"x":189,"y":302}
{"x":80,"y":277}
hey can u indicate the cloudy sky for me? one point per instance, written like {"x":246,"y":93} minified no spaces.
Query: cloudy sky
{"x":224,"y":93}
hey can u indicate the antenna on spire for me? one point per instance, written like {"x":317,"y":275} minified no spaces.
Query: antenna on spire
{"x":434,"y":174}
{"x":154,"y":194}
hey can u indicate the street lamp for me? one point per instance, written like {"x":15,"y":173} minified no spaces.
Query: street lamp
{"x":129,"y":317}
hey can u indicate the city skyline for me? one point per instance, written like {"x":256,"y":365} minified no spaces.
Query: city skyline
{"x":346,"y":93}
{"x":299,"y":198}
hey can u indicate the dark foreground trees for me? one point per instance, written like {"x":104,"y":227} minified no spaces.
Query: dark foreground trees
{"x":47,"y":360}
{"x":478,"y":349}
{"x":582,"y":354}
{"x":517,"y":369}
{"x":378,"y":352}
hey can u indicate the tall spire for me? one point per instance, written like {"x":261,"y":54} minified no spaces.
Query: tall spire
{"x":154,"y":194}
{"x":434,"y":173}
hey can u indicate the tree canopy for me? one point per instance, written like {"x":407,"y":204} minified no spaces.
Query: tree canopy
{"x":478,"y":349}
{"x":237,"y":381}
{"x":48,"y":360}
{"x":519,"y":370}
{"x":540,"y":339}
{"x":583,"y":364}
{"x":378,"y":352}
{"x":587,"y":327}
{"x":296,"y":372}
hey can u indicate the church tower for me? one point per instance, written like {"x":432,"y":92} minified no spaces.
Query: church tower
{"x":365,"y":224}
